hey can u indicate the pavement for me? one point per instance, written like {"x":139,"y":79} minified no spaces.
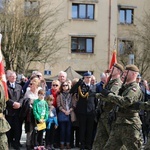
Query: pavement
{"x":23,"y":142}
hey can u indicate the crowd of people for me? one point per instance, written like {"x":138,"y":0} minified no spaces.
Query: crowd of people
{"x":81,"y":113}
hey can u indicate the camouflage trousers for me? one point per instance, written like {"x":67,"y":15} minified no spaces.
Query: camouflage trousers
{"x":147,"y":146}
{"x":102,"y":134}
{"x":124,"y":134}
{"x":3,"y":142}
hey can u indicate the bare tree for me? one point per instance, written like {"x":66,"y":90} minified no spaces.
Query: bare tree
{"x":141,"y":47}
{"x":30,"y":32}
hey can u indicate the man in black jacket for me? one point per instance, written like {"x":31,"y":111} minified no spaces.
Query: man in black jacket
{"x":13,"y":106}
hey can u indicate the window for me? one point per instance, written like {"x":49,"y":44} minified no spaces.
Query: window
{"x":47,"y":72}
{"x":131,"y":59}
{"x":125,"y":46}
{"x":31,"y":41}
{"x":83,"y":11}
{"x":82,"y":45}
{"x":126,"y":16}
{"x":31,"y":8}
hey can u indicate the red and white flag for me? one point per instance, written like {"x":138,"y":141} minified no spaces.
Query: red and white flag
{"x":112,"y":62}
{"x":113,"y":59}
{"x":2,"y":72}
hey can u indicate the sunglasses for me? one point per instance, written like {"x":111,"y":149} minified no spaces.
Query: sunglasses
{"x":65,"y":85}
{"x":54,"y":85}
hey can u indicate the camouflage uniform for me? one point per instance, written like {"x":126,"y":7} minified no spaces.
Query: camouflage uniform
{"x":144,"y":106}
{"x":127,"y":127}
{"x":103,"y":129}
{"x":4,"y":126}
{"x":147,"y":146}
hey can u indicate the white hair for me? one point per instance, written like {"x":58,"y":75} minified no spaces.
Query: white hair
{"x":62,"y":72}
{"x":102,"y":75}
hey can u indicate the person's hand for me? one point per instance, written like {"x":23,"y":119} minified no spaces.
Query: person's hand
{"x":105,"y":92}
{"x":16,"y":105}
{"x":67,"y":112}
{"x":41,"y":120}
{"x":136,"y":106}
{"x":98,"y":95}
{"x":56,"y":127}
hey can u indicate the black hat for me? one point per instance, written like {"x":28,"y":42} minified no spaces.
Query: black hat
{"x":132,"y":68}
{"x":87,"y":74}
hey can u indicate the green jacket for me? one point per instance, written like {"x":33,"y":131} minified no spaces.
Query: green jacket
{"x":40,"y":109}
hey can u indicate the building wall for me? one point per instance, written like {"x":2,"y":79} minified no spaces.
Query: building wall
{"x":99,"y":29}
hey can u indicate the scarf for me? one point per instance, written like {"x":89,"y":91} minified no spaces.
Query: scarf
{"x":54,"y":93}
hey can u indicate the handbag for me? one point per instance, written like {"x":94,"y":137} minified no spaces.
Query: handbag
{"x":41,"y":126}
{"x":62,"y":117}
{"x":73,"y":116}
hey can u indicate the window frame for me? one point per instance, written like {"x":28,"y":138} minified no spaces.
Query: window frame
{"x":125,"y":50}
{"x":31,"y":10}
{"x":86,"y":11}
{"x":125,"y":15}
{"x":78,"y":50}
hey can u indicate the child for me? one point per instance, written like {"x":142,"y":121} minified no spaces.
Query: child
{"x":52,"y":123}
{"x":40,"y":111}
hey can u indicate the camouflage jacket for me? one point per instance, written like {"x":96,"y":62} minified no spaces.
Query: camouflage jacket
{"x":130,"y":95}
{"x":4,"y":125}
{"x":114,"y":86}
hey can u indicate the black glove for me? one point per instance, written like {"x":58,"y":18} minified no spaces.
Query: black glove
{"x":105,"y":92}
{"x":136,"y":106}
{"x":80,"y":81}
{"x":121,"y":90}
{"x":75,"y":87}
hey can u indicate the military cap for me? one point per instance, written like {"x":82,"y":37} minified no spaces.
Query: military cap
{"x":119,"y":66}
{"x":87,"y":74}
{"x":132,"y":68}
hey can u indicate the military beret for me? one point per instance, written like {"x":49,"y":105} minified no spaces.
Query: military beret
{"x":132,"y":68}
{"x":119,"y":66}
{"x":87,"y":74}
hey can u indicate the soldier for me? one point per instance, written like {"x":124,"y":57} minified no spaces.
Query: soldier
{"x":143,"y":106}
{"x":126,"y":130}
{"x":103,"y":128}
{"x":4,"y":126}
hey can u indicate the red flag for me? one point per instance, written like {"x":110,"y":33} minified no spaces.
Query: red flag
{"x":2,"y":72}
{"x":113,"y":59}
{"x":112,"y":62}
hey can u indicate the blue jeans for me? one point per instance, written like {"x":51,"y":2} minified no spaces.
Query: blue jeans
{"x":65,"y":132}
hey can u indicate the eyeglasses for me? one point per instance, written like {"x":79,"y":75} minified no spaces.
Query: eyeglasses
{"x":65,"y":85}
{"x":54,"y":85}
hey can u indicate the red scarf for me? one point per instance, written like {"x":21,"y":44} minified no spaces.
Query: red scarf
{"x":54,"y":93}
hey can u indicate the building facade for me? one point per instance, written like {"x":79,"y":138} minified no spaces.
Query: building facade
{"x":93,"y":29}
